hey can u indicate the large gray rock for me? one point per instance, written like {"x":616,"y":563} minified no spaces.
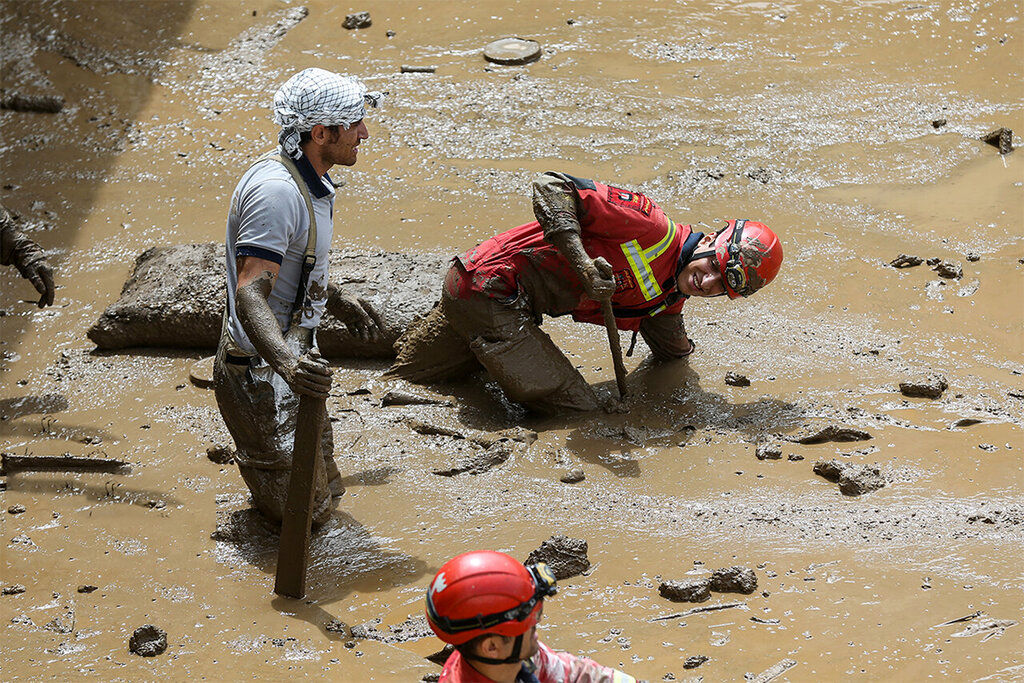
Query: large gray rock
{"x":176,"y":296}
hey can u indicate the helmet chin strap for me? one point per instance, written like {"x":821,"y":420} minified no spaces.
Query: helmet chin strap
{"x":513,"y":658}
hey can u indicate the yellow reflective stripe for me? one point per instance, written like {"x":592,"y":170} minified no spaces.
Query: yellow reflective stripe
{"x":640,"y":261}
{"x":658,"y":310}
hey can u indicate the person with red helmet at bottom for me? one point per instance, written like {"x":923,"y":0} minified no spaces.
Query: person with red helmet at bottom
{"x":591,"y":243}
{"x":487,"y":604}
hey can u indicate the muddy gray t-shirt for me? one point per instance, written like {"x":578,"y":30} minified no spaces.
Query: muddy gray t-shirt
{"x":269,"y":220}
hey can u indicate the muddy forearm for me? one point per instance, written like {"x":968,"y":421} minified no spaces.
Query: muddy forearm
{"x":18,"y":250}
{"x":261,"y":325}
{"x":570,"y":246}
{"x":556,"y":204}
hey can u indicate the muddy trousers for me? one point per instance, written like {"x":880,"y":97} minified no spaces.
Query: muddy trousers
{"x":260,"y":409}
{"x":460,"y":335}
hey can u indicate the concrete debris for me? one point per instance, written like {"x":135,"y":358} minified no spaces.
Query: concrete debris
{"x":690,"y":590}
{"x":768,"y":451}
{"x":930,"y":386}
{"x":357,"y":20}
{"x":735,"y":379}
{"x":734,"y":580}
{"x":566,"y":557}
{"x":906,"y":261}
{"x":830,"y":433}
{"x":148,"y":641}
{"x":1001,"y":138}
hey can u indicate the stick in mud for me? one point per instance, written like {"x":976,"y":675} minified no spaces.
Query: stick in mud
{"x":616,"y":347}
{"x":774,"y":671}
{"x":293,"y":551}
{"x":968,"y":617}
{"x":698,"y":610}
{"x":60,"y":463}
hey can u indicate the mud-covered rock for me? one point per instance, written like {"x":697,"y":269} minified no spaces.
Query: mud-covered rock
{"x":1001,"y":138}
{"x":812,"y":435}
{"x":87,"y":588}
{"x":694,"y":661}
{"x":148,"y":641}
{"x":938,"y":123}
{"x":357,"y":20}
{"x":930,"y":386}
{"x":573,"y":477}
{"x":972,"y":257}
{"x":734,"y":580}
{"x":856,"y":480}
{"x":829,"y":469}
{"x":430,"y":429}
{"x":906,"y":261}
{"x":735,"y":379}
{"x":949,"y":270}
{"x":220,"y":454}
{"x":768,"y":451}
{"x":442,"y":655}
{"x":176,"y":295}
{"x":16,"y":509}
{"x":688,"y":590}
{"x":477,"y":463}
{"x":336,"y":626}
{"x":566,"y":557}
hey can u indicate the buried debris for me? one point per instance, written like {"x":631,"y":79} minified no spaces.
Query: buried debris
{"x":42,"y":104}
{"x":60,"y":463}
{"x":948,"y":270}
{"x":853,"y":480}
{"x":768,"y":451}
{"x":735,"y":379}
{"x":357,"y":20}
{"x":397,"y":397}
{"x":830,"y":433}
{"x":512,"y":51}
{"x":565,"y":557}
{"x":931,"y":386}
{"x":148,"y":641}
{"x":428,"y":429}
{"x":220,"y":454}
{"x":694,"y":661}
{"x":1001,"y":138}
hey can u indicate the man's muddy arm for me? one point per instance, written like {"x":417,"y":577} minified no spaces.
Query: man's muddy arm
{"x":28,"y":257}
{"x":556,"y":204}
{"x":666,"y":337}
{"x":256,"y":278}
{"x":357,"y":314}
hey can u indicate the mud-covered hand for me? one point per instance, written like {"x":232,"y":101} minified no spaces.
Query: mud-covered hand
{"x":30,"y":260}
{"x":599,"y":280}
{"x":308,"y":374}
{"x":614,"y":405}
{"x":358,"y":315}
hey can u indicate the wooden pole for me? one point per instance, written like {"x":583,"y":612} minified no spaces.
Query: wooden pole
{"x":293,"y":551}
{"x":616,"y":347}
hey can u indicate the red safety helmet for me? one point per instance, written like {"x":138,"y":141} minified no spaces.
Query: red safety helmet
{"x":749,"y":255}
{"x":486,"y":592}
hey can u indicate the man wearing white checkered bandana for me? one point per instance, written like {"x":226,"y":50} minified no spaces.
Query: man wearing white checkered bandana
{"x":276,"y":295}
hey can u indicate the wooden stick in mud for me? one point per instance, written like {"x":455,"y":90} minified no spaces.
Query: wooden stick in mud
{"x":293,"y":551}
{"x":616,"y":347}
{"x":59,"y":463}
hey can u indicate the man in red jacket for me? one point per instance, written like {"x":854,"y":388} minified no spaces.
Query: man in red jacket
{"x":590,"y":243}
{"x":487,"y":605}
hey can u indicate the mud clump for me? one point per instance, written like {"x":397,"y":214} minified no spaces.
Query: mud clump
{"x":148,"y":641}
{"x":906,"y":261}
{"x":734,"y":580}
{"x":853,"y":480}
{"x":413,"y":628}
{"x":220,"y":454}
{"x":931,"y":386}
{"x":693,"y":590}
{"x":1001,"y":138}
{"x":565,"y":557}
{"x":13,"y":589}
{"x":397,"y":397}
{"x":40,"y":104}
{"x":949,"y":270}
{"x":695,"y":661}
{"x":430,"y":429}
{"x":830,"y":433}
{"x":735,"y":379}
{"x":477,"y":463}
{"x":335,"y":626}
{"x":768,"y":451}
{"x":357,"y":20}
{"x":87,"y":588}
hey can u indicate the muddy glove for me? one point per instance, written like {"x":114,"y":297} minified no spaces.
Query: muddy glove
{"x":29,"y":259}
{"x":600,"y":280}
{"x":358,"y":315}
{"x":308,"y":374}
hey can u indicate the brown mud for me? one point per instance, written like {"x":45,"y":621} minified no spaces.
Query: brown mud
{"x":815,"y":118}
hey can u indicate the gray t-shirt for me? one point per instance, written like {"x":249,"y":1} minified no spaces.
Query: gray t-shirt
{"x":269,"y":220}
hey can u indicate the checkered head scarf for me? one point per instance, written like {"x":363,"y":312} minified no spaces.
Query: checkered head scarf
{"x":315,"y":96}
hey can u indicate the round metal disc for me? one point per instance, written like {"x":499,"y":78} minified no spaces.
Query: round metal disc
{"x":512,"y":51}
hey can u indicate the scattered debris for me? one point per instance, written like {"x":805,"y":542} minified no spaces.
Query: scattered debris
{"x":853,"y":480}
{"x":699,"y":610}
{"x":768,"y":451}
{"x":573,"y":477}
{"x":774,"y":671}
{"x":148,"y":641}
{"x":414,"y":627}
{"x":566,"y":557}
{"x":948,"y":270}
{"x":62,"y":463}
{"x":41,"y":104}
{"x":830,"y":433}
{"x":694,"y":661}
{"x":16,"y":509}
{"x":931,"y":386}
{"x":690,"y":590}
{"x":220,"y":454}
{"x":397,"y":397}
{"x":12,"y":589}
{"x":357,"y":20}
{"x":1002,"y":138}
{"x":991,"y":628}
{"x":735,"y":379}
{"x":512,"y":51}
{"x":477,"y":463}
{"x":906,"y":261}
{"x":759,"y":620}
{"x":87,"y":588}
{"x":734,"y":580}
{"x":410,"y":69}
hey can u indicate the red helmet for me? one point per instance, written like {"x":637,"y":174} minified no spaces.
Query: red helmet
{"x":486,"y":592}
{"x":749,"y":255}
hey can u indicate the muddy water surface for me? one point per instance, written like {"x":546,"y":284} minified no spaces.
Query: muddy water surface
{"x":816,"y":119}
